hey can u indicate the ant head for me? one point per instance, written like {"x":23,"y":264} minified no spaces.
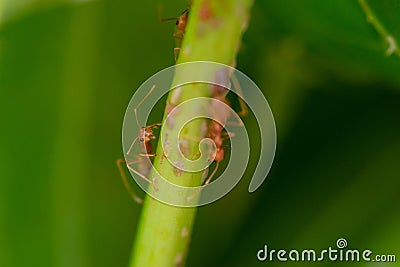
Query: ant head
{"x":142,"y":135}
{"x":182,"y":20}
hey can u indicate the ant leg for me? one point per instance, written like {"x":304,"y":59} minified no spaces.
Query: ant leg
{"x":196,"y":139}
{"x":227,"y":135}
{"x":142,"y":176}
{"x":138,"y":173}
{"x":126,"y":183}
{"x":130,"y":148}
{"x":212,"y":174}
{"x":190,"y":198}
{"x":243,"y":108}
{"x":151,"y":155}
{"x":155,"y":125}
{"x":125,"y":180}
{"x":176,"y":53}
{"x":140,"y":156}
{"x":190,"y":138}
{"x":234,"y":123}
{"x":178,"y":35}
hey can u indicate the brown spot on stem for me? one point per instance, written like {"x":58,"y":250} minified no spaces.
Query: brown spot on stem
{"x":178,"y":261}
{"x":184,"y":146}
{"x":178,"y":168}
{"x":221,"y":82}
{"x":176,"y":95}
{"x":205,"y":11}
{"x":184,"y":232}
{"x":204,"y":128}
{"x":166,"y":146}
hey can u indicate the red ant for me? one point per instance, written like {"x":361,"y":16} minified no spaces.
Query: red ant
{"x":217,"y":133}
{"x":181,"y":23}
{"x":145,"y":136}
{"x":216,"y":130}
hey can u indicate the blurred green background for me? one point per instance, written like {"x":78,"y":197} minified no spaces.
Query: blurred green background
{"x":69,"y":68}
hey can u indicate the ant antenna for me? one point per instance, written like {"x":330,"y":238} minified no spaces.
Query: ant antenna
{"x":141,"y":102}
{"x":159,"y":13}
{"x":136,"y":116}
{"x":168,"y":19}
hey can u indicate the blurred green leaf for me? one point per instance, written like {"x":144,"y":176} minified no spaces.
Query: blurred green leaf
{"x":337,"y":35}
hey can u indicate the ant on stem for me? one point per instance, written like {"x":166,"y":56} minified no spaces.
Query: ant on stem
{"x":181,"y":22}
{"x":145,"y":136}
{"x":216,"y":131}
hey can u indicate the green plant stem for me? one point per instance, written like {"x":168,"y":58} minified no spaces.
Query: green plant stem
{"x":214,"y":34}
